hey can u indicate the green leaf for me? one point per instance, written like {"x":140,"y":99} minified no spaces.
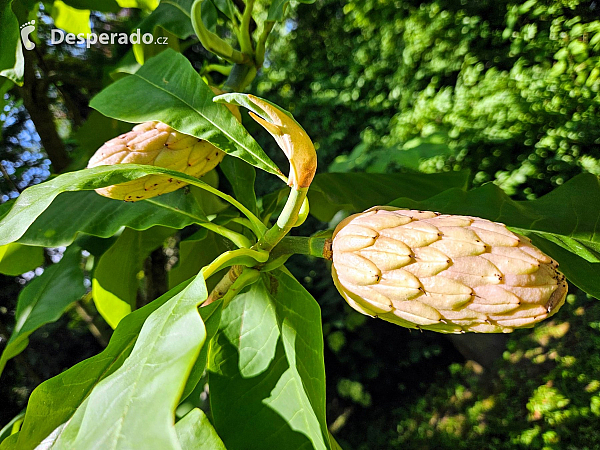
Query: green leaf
{"x":408,"y":155}
{"x":168,"y":89}
{"x":70,"y":19}
{"x":12,"y":427}
{"x":44,"y":300}
{"x":331,"y":192}
{"x":109,"y":6}
{"x":211,"y":316}
{"x":134,"y":407}
{"x":87,"y":212}
{"x":115,"y":281}
{"x":147,"y":5}
{"x":195,"y":432}
{"x":566,"y":218}
{"x":241,"y":176}
{"x":126,"y":66}
{"x":278,"y":7}
{"x":36,"y":199}
{"x":334,"y":444}
{"x":226,"y":7}
{"x":173,"y":15}
{"x":16,"y":259}
{"x":266,"y":370}
{"x":54,"y":401}
{"x":9,"y":36}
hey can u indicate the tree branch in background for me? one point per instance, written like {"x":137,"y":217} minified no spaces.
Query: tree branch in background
{"x":35,"y":101}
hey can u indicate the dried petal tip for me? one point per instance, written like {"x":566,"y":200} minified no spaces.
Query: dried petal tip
{"x":288,"y":134}
{"x":155,"y":144}
{"x":445,"y":273}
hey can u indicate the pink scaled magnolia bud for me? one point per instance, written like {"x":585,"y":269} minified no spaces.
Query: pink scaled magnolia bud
{"x":445,"y":273}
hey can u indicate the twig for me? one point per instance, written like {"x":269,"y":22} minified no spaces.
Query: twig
{"x":223,"y":286}
{"x":9,"y":179}
{"x":89,"y":321}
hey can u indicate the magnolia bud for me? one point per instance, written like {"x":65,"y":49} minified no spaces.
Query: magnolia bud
{"x":445,"y":273}
{"x":156,"y":144}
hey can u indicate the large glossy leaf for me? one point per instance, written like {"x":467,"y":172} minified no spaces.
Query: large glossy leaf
{"x":16,"y":259}
{"x":87,"y":212}
{"x":36,"y":199}
{"x":567,"y":219}
{"x":53,"y":402}
{"x":115,"y":282}
{"x":195,"y":432}
{"x":353,"y":192}
{"x":70,"y":19}
{"x":266,"y":370}
{"x":241,"y":176}
{"x":44,"y":300}
{"x":134,"y":407}
{"x":168,"y":89}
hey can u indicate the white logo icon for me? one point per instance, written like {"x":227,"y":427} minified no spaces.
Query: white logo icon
{"x":26,"y":29}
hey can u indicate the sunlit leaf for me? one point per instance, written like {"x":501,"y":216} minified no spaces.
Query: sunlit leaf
{"x":110,"y":6}
{"x":87,"y":212}
{"x":70,"y":19}
{"x":195,"y":432}
{"x":16,"y":259}
{"x":36,"y":199}
{"x":115,"y":280}
{"x":266,"y":370}
{"x":53,"y":402}
{"x":134,"y":407}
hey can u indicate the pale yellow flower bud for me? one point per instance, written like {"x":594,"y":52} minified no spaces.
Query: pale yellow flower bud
{"x":156,"y":144}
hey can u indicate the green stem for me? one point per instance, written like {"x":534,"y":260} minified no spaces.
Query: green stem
{"x":238,"y":239}
{"x":214,"y":43}
{"x":257,"y":226}
{"x":242,"y":257}
{"x":240,"y":77}
{"x":219,"y":68}
{"x":246,"y":278}
{"x":244,"y":37}
{"x":262,"y":43}
{"x":285,"y":222}
{"x":301,"y":245}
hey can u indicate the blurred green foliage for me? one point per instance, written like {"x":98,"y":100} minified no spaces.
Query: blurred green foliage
{"x":508,"y":89}
{"x":544,"y":394}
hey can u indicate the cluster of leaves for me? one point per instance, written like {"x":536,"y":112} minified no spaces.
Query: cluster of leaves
{"x":506,"y":89}
{"x":263,"y":355}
